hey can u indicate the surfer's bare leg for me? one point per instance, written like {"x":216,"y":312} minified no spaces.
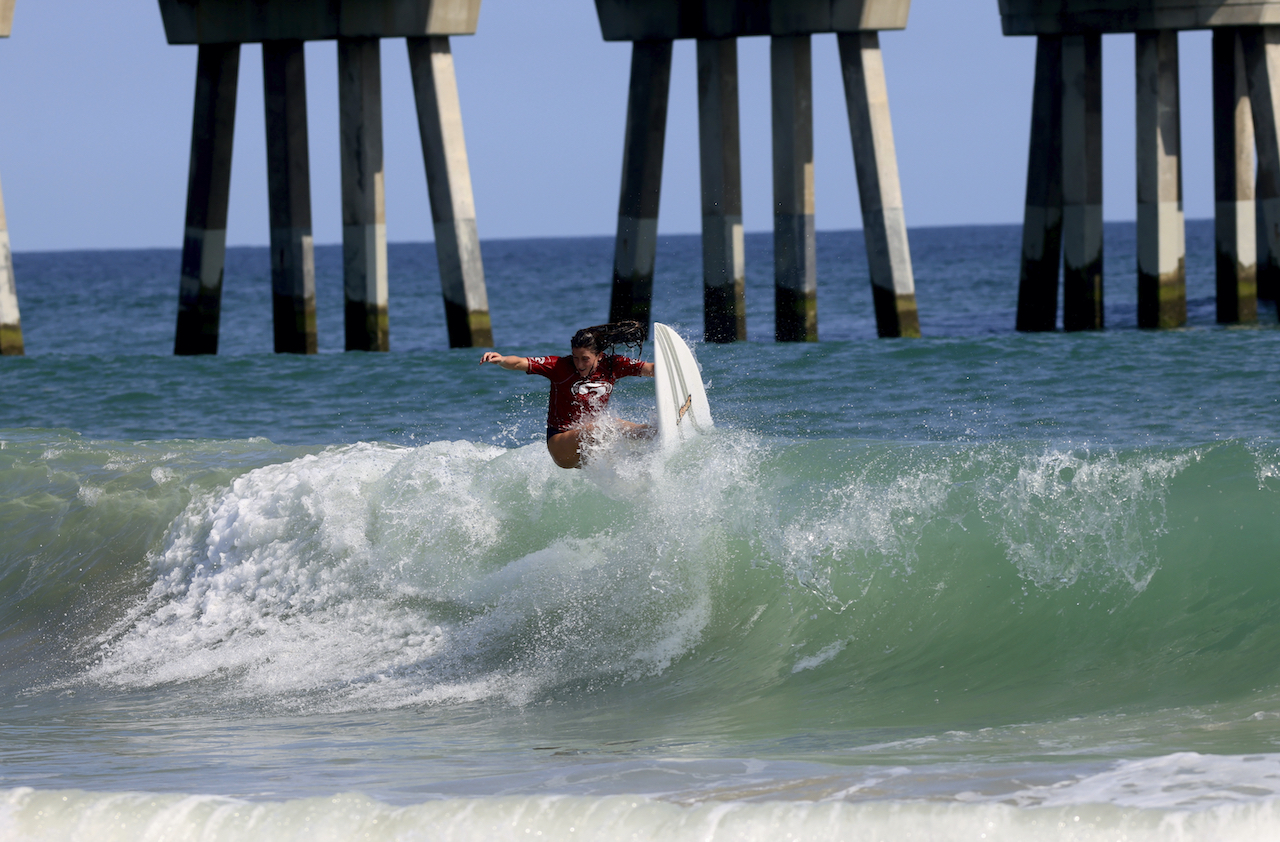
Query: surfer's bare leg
{"x":563,"y":448}
{"x":566,"y":448}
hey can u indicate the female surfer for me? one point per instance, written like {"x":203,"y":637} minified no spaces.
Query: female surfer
{"x":581,"y":384}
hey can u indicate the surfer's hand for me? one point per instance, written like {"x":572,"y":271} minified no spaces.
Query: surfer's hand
{"x":632,"y":430}
{"x":509,"y":363}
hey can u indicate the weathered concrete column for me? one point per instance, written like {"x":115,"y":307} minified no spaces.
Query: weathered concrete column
{"x":204,"y":241}
{"x":453,"y":209}
{"x":293,"y":267}
{"x":1268,"y":272}
{"x":637,"y":239}
{"x":795,"y":269}
{"x":1162,"y":251}
{"x":723,"y":260}
{"x":1261,"y":47}
{"x":1082,"y":182}
{"x":10,"y":323}
{"x":1042,"y":216}
{"x":364,"y":220}
{"x":884,"y":223}
{"x":1234,"y":216}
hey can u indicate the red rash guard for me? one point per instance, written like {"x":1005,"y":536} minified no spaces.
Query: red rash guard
{"x":573,"y":398}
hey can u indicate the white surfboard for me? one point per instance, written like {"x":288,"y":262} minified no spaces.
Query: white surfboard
{"x":683,"y":411}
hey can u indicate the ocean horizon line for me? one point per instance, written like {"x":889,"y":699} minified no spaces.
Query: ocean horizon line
{"x":557,"y":238}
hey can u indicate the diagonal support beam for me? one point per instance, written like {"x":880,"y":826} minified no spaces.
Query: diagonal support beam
{"x":884,"y":221}
{"x":453,"y":209}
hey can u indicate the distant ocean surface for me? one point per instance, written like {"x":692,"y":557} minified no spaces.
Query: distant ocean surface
{"x":980,"y":585}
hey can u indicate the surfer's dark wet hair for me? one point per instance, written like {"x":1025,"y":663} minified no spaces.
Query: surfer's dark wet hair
{"x":602,"y":339}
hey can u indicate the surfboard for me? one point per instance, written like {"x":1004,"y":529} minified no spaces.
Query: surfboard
{"x":683,"y":411}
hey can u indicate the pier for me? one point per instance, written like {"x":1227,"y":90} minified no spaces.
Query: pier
{"x":10,"y":321}
{"x":1063,"y":212}
{"x":219,"y":27}
{"x":652,"y":26}
{"x":1061,"y":282}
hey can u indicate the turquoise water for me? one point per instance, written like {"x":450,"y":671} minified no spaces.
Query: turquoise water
{"x":980,"y":583}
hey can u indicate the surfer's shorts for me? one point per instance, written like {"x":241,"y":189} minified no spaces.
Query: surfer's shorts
{"x":554,"y":431}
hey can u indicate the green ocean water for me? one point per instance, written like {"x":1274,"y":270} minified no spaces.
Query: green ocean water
{"x":979,"y":583}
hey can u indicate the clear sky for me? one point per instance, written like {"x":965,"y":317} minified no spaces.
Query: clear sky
{"x":95,"y":125}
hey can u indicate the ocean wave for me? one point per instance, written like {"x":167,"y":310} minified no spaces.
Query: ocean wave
{"x":874,"y":581}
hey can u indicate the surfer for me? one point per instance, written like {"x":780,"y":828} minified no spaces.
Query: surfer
{"x":581,"y":384}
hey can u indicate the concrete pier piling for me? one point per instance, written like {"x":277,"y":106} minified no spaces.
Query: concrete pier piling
{"x":1042,"y":215}
{"x":1246,"y":71}
{"x":723,"y":247}
{"x":1268,"y":271}
{"x":293,"y":263}
{"x":364,"y":222}
{"x":10,"y":322}
{"x":204,"y":242}
{"x":1162,"y":273}
{"x":1082,"y":306}
{"x":283,"y":27}
{"x":453,"y":210}
{"x":636,"y":244}
{"x":884,"y":222}
{"x":1261,"y":47}
{"x":795,"y":269}
{"x":651,"y":26}
{"x":1235,"y":228}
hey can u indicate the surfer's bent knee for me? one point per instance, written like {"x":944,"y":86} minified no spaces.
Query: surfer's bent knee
{"x":563,"y":447}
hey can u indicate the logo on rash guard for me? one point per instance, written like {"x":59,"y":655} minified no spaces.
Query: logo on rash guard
{"x":592,"y":390}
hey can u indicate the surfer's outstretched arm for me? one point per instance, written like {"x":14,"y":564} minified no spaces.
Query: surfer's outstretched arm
{"x":509,"y":363}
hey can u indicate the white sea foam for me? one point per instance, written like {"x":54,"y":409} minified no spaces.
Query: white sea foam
{"x":28,"y":815}
{"x":276,"y":581}
{"x":369,"y":576}
{"x":1182,"y":781}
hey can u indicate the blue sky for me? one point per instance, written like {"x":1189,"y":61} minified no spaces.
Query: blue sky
{"x":95,"y":123}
